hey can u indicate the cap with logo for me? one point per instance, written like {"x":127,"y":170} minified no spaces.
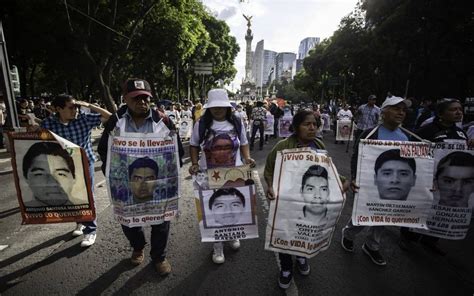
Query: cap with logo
{"x":134,"y":87}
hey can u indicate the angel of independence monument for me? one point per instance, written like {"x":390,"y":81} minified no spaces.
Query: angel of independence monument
{"x":248,"y":87}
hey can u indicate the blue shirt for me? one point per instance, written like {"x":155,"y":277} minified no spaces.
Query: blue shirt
{"x":131,"y":127}
{"x":396,"y":135}
{"x":77,"y":131}
{"x":368,"y":117}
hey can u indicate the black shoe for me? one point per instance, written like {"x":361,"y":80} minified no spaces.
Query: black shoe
{"x":433,"y":247}
{"x":375,"y":256}
{"x":347,"y":244}
{"x":261,"y":148}
{"x":303,"y":268}
{"x":284,"y":281}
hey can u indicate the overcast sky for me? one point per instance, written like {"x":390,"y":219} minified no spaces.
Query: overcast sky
{"x":281,"y":23}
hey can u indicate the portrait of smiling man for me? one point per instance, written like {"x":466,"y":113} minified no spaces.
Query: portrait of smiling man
{"x":227,"y":206}
{"x":394,"y":175}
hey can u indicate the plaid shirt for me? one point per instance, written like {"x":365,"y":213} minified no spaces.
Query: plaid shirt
{"x":77,"y":131}
{"x":367,"y":117}
{"x":259,"y":113}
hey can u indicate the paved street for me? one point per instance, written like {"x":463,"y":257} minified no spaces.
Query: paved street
{"x":46,"y":260}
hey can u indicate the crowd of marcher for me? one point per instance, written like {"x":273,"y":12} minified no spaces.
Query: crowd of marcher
{"x":397,"y":119}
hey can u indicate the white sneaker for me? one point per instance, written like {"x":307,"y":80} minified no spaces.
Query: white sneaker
{"x":235,"y":244}
{"x":78,"y":230}
{"x":218,"y":254}
{"x":89,"y":240}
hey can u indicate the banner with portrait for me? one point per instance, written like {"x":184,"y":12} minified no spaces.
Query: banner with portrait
{"x":308,"y":202}
{"x":226,"y":204}
{"x":395,"y":180}
{"x":269,"y":124}
{"x":453,"y":194}
{"x":52,"y":179}
{"x":284,"y":124}
{"x":326,"y":122}
{"x":142,"y":178}
{"x":343,"y":130}
{"x":185,"y":128}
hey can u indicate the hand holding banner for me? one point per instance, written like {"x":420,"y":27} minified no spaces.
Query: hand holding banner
{"x":308,"y":203}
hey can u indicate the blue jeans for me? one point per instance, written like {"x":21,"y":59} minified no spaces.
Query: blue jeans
{"x":91,"y":227}
{"x":159,"y":239}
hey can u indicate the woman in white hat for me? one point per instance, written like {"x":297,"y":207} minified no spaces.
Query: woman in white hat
{"x":222,"y":138}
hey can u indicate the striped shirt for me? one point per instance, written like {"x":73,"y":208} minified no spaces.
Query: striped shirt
{"x":367,"y":117}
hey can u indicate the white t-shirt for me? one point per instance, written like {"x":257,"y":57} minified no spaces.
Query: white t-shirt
{"x":186,"y":114}
{"x":342,"y":114}
{"x":221,"y":148}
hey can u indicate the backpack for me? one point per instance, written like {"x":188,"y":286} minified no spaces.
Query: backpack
{"x":236,"y":122}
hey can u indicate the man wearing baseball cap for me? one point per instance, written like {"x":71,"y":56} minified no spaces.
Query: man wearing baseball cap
{"x":393,"y":113}
{"x":136,"y":116}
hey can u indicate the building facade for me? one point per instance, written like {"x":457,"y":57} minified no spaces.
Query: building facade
{"x":269,"y":57}
{"x":306,"y":45}
{"x":257,"y":68}
{"x":285,"y":65}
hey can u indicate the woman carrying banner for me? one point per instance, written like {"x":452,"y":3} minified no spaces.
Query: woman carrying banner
{"x":304,"y":129}
{"x":222,"y":137}
{"x":442,"y":129}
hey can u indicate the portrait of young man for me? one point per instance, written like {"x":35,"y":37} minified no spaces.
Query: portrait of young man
{"x":454,"y":179}
{"x":315,"y":192}
{"x":394,"y":175}
{"x":227,"y":207}
{"x":143,"y":173}
{"x":50,"y":173}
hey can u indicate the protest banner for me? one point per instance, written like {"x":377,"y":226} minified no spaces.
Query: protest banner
{"x":185,"y":128}
{"x":308,"y":203}
{"x":395,"y":180}
{"x":453,"y":195}
{"x":142,"y":178}
{"x":343,"y":130}
{"x":51,"y":178}
{"x":269,"y":124}
{"x":284,"y":124}
{"x":226,"y":204}
{"x":326,"y":122}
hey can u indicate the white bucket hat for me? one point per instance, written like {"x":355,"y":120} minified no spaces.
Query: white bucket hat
{"x":217,"y":98}
{"x":392,"y":101}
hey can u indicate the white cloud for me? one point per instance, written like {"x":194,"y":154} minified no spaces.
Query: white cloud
{"x":227,"y":13}
{"x":281,"y":23}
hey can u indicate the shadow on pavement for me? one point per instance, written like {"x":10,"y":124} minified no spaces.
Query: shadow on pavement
{"x":65,"y":237}
{"x":147,"y":274}
{"x":105,"y":280}
{"x":192,"y":283}
{"x":6,"y":281}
